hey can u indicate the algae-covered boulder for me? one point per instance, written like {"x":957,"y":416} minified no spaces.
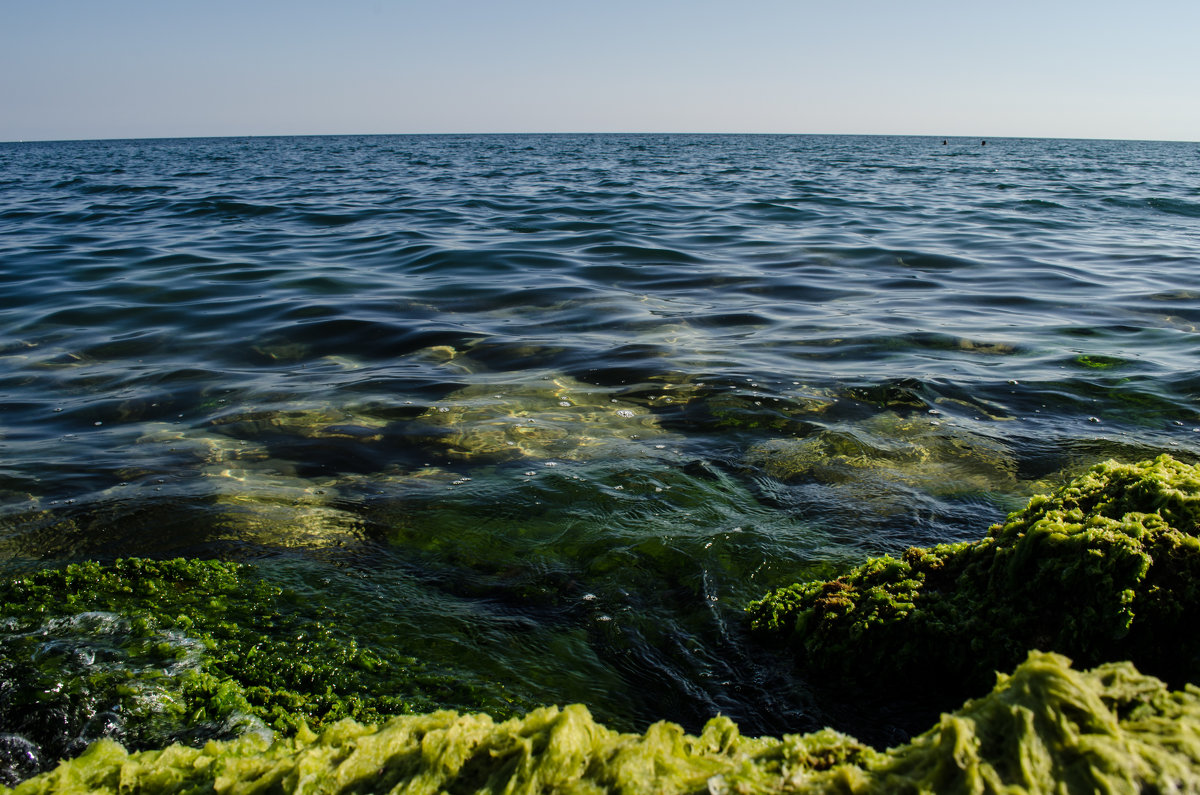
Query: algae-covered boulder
{"x":1107,"y":568}
{"x":1047,"y":728}
{"x":874,"y":461}
{"x":1050,"y":728}
{"x":552,"y":417}
{"x":153,"y":651}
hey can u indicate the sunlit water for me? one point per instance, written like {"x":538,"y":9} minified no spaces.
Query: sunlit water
{"x":547,"y":411}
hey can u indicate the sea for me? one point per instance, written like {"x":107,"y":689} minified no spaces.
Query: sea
{"x":551,"y":410}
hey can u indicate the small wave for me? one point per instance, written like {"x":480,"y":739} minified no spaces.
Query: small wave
{"x":223,"y":206}
{"x":640,"y":254}
{"x":1042,"y":204}
{"x":871,"y":346}
{"x":1158,"y":204}
{"x":908,"y":259}
{"x":176,"y":259}
{"x":123,"y":189}
{"x":333,"y":219}
{"x":481,"y":261}
{"x":780,"y":210}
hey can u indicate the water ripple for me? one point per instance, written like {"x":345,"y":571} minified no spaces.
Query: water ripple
{"x":516,"y":372}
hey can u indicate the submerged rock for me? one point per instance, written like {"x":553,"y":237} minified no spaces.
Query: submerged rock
{"x":874,"y":457}
{"x":301,"y":421}
{"x":1107,"y":568}
{"x":260,"y":506}
{"x":555,"y":417}
{"x":1045,"y":728}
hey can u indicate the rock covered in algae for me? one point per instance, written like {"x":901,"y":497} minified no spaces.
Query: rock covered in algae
{"x":1050,"y":728}
{"x":1046,"y":728}
{"x":1107,"y":568}
{"x":259,"y":505}
{"x":556,"y":417}
{"x":302,"y":421}
{"x":875,"y":455}
{"x":151,"y":651}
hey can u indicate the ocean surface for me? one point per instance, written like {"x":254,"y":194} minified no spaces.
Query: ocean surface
{"x":548,"y":411}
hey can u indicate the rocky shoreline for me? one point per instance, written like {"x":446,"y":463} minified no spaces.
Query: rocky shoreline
{"x":1104,"y":572}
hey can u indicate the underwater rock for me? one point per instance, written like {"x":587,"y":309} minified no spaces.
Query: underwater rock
{"x":1106,"y":568}
{"x":254,"y":503}
{"x":250,"y":496}
{"x":1047,"y":727}
{"x":301,"y":421}
{"x":164,"y":442}
{"x":748,"y":409}
{"x":260,"y":506}
{"x":554,"y":417}
{"x":874,"y":456}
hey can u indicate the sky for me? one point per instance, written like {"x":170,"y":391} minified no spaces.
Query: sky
{"x":82,"y":69}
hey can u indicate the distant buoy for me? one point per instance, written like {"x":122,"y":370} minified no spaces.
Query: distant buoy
{"x":983,"y":143}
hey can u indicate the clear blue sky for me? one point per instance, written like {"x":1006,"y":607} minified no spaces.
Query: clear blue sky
{"x":148,"y":68}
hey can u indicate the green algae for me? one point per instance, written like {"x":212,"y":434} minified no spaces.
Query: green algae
{"x":202,"y":649}
{"x":1099,"y":362}
{"x":555,"y":416}
{"x":550,"y":750}
{"x":877,"y":457}
{"x":1107,"y":568}
{"x":1047,"y":727}
{"x":152,"y":651}
{"x":635,"y":600}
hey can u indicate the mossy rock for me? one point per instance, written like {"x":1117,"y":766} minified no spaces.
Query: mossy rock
{"x":153,"y":651}
{"x":748,"y":409}
{"x":1107,"y":568}
{"x":1050,"y":728}
{"x":253,"y":504}
{"x":876,"y":458}
{"x":553,"y":417}
{"x":1046,"y":728}
{"x":301,"y":421}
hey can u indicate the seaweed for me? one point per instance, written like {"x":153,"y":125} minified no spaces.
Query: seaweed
{"x":229,"y":682}
{"x":154,"y":651}
{"x":1107,"y":568}
{"x":1047,"y":727}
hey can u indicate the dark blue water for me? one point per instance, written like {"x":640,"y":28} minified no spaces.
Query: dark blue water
{"x":551,"y":409}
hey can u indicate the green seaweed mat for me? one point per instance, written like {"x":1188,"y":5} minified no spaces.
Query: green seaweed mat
{"x":1046,"y":728}
{"x":1107,"y":568}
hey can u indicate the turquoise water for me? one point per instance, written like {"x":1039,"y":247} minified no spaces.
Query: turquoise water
{"x":546,"y":411}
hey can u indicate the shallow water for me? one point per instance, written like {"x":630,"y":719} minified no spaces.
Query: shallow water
{"x":547,"y":411}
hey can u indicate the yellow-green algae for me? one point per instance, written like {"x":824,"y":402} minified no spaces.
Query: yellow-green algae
{"x":1107,"y":568}
{"x":1045,"y":728}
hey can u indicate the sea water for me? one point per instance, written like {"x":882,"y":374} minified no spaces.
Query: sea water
{"x":546,"y":412}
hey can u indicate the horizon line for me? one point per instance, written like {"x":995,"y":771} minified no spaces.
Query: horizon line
{"x":581,"y":133}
